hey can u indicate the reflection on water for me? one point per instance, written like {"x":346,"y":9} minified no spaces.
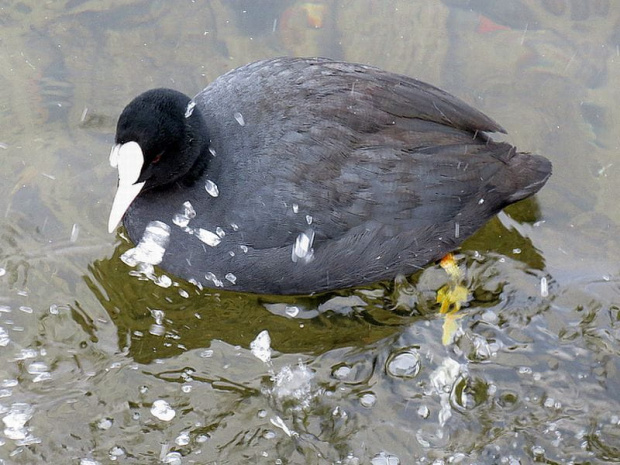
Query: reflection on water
{"x":98,"y":365}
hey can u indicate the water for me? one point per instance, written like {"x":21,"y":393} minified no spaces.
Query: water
{"x":89,"y":346}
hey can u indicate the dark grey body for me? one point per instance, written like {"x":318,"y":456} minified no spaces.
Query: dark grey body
{"x":383,"y":164}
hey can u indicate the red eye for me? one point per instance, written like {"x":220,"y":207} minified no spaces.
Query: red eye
{"x":157,"y":158}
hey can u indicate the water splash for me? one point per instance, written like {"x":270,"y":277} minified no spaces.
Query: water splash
{"x":162,"y":410}
{"x":152,"y":246}
{"x":261,"y":347}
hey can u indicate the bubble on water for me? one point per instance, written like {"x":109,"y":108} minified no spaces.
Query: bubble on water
{"x":368,"y":400}
{"x":202,"y":438}
{"x":207,"y":353}
{"x":207,"y":237}
{"x":261,"y":346}
{"x":152,"y":246}
{"x":190,"y":108}
{"x":291,"y":311}
{"x":302,"y":249}
{"x":116,"y":452}
{"x":384,"y":458}
{"x":341,"y":372}
{"x":239,"y":118}
{"x":162,"y":410}
{"x":163,"y":281}
{"x":105,"y":424}
{"x":269,"y":434}
{"x":183,"y":293}
{"x":404,"y":364}
{"x":182,"y":439}
{"x":489,"y":316}
{"x":423,"y":411}
{"x":231,"y":277}
{"x":173,"y":458}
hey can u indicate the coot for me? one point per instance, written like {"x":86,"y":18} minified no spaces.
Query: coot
{"x":297,"y":176}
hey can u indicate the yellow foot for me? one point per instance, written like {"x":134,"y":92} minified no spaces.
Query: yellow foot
{"x":451,"y":297}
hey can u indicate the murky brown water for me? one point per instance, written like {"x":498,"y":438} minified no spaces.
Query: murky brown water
{"x":532,"y":372}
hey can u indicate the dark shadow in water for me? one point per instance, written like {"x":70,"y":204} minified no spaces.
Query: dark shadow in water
{"x":349,"y":318}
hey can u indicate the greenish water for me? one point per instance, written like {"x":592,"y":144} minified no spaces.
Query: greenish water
{"x":532,"y":372}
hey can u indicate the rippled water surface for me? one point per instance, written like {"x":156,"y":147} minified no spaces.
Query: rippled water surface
{"x":99,"y":366}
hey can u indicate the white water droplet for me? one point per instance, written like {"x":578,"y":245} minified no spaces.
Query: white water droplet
{"x":211,"y":188}
{"x":234,"y":226}
{"x":212,"y":151}
{"x":220,"y":232}
{"x":231,"y":277}
{"x":302,"y":249}
{"x":214,"y":279}
{"x":182,"y":219}
{"x":207,"y":237}
{"x":295,"y":208}
{"x":308,"y":219}
{"x":190,"y":108}
{"x":239,"y":117}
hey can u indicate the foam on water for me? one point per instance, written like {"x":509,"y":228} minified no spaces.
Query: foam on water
{"x":294,"y":384}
